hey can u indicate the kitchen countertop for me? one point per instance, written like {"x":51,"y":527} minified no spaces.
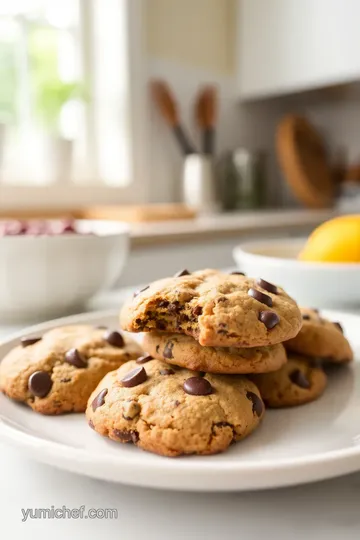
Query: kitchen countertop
{"x":322,"y":511}
{"x":228,"y":224}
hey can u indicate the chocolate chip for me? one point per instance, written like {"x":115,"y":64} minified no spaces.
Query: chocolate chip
{"x":99,"y":400}
{"x":136,"y":293}
{"x":163,"y":304}
{"x":160,"y":325}
{"x":197,"y":311}
{"x":167,"y":371}
{"x":316,"y":362}
{"x":237,"y":274}
{"x":176,"y":403}
{"x":174,"y":307}
{"x":74,"y":358}
{"x":338,"y":325}
{"x":267,"y":286}
{"x":40,"y":384}
{"x":144,"y":359}
{"x":134,"y":377}
{"x":260,"y":297}
{"x":306,"y":317}
{"x":182,"y":273}
{"x":26,"y":342}
{"x":297,"y":377}
{"x":126,"y":436}
{"x":115,"y":339}
{"x":131,"y":409}
{"x":91,"y":424}
{"x":269,"y":318}
{"x":222,"y":424}
{"x":123,"y":436}
{"x":258,"y":406}
{"x":168,"y":350}
{"x":197,"y":386}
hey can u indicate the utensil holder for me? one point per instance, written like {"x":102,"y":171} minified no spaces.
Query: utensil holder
{"x":199,"y":189}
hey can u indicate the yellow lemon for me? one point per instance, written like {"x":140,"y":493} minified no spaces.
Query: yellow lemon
{"x":336,"y":240}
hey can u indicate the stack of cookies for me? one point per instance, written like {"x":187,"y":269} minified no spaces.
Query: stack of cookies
{"x":209,"y":337}
{"x":219,"y":348}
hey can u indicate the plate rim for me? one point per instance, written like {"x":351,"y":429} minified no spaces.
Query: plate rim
{"x":52,"y":449}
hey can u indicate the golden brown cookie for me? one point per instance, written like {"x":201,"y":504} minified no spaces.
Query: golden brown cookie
{"x":320,"y":338}
{"x":56,"y":373}
{"x":184,"y":351}
{"x":296,"y":383}
{"x":216,"y":309}
{"x":172,"y":411}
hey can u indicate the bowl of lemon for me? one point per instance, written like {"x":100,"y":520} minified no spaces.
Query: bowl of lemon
{"x":322,"y":270}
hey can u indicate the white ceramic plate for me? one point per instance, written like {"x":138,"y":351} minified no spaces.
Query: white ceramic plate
{"x":292,"y":446}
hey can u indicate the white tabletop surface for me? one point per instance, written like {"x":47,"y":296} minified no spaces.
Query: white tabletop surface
{"x":327,"y":510}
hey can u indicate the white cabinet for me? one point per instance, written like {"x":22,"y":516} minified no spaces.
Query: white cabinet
{"x":292,"y":45}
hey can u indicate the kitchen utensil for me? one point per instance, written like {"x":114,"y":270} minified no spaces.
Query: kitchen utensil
{"x":292,"y":446}
{"x":46,"y":276}
{"x":303,"y":159}
{"x":165,"y":101}
{"x":199,"y":190}
{"x":205,"y":114}
{"x":322,"y":285}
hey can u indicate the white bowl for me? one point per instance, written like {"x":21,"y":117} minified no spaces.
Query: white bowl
{"x":332,"y":285}
{"x":47,"y":276}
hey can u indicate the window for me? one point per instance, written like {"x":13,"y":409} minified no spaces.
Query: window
{"x":71,"y":102}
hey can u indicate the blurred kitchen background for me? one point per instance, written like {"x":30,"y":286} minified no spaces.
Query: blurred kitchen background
{"x":201,"y":122}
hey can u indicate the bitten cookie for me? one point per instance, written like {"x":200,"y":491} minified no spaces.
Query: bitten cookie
{"x":186,"y":352}
{"x":296,"y":383}
{"x":57,"y":372}
{"x":216,"y":309}
{"x":172,"y":411}
{"x":320,"y":338}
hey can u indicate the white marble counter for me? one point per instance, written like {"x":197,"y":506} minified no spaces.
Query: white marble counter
{"x":225,"y":225}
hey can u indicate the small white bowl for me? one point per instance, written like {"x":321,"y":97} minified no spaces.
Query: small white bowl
{"x":327,"y":285}
{"x":48,"y":276}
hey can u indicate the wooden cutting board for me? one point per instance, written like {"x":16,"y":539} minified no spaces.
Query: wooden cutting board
{"x":150,"y":212}
{"x":303,"y":160}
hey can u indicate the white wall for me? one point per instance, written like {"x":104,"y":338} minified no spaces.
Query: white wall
{"x":198,"y":33}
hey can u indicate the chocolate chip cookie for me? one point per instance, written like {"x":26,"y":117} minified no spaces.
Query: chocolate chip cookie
{"x":296,"y":383}
{"x":321,"y":338}
{"x":172,"y":411}
{"x":216,"y":309}
{"x":185,"y":351}
{"x":57,"y":372}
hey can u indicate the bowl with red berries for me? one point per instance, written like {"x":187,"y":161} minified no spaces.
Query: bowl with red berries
{"x":54,"y":267}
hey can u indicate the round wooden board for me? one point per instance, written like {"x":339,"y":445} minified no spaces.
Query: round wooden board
{"x":303,"y":160}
